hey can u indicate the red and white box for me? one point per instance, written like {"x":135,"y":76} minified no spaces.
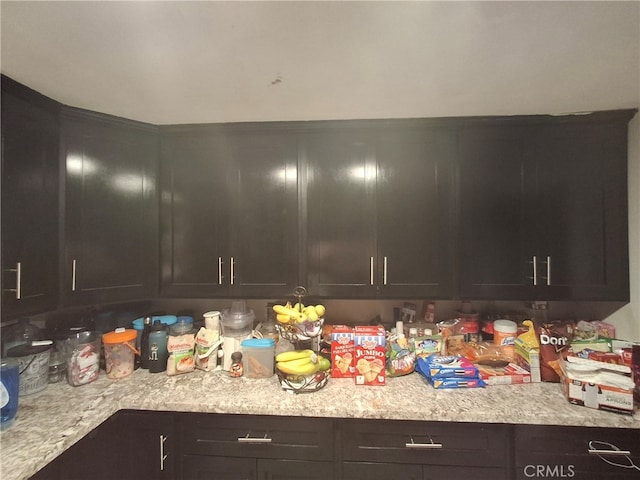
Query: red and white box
{"x":370,"y":355}
{"x":510,"y":374}
{"x":342,"y":351}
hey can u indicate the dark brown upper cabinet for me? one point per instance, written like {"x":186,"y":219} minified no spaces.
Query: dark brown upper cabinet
{"x":229,"y":212}
{"x":416,"y":218}
{"x":111,"y":208}
{"x":543,"y":209}
{"x":380,"y":217}
{"x":30,"y":189}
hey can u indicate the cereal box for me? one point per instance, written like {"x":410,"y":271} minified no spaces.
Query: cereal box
{"x":370,"y":355}
{"x":342,"y":365}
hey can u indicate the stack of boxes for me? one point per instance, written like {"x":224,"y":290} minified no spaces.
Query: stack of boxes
{"x":359,"y":353}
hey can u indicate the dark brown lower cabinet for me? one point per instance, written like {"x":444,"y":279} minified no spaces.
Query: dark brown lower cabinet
{"x":382,"y":449}
{"x":248,"y":447}
{"x":198,"y":467}
{"x":140,"y":445}
{"x":130,"y":445}
{"x":584,"y":453}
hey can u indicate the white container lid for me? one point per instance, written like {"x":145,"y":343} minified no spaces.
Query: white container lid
{"x":506,"y":326}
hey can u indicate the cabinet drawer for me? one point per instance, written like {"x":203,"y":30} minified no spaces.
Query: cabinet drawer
{"x":427,"y":443}
{"x":294,"y":438}
{"x":567,"y":449}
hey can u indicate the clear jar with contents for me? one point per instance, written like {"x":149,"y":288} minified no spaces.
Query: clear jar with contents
{"x":119,"y":352}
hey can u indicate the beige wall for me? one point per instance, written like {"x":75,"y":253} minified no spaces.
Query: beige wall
{"x":627,"y":319}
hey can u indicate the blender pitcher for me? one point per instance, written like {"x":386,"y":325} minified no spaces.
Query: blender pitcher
{"x":237,"y":325}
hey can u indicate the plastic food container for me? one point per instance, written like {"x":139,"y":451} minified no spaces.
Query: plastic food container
{"x":82,"y":354}
{"x":258,"y":357}
{"x":119,"y":352}
{"x":504,"y":334}
{"x":33,"y":366}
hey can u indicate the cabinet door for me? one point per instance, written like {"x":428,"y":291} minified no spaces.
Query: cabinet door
{"x":111,"y":209}
{"x":195,"y":216}
{"x":341,"y":227}
{"x":552,"y":451}
{"x":147,"y":444}
{"x":427,"y":443}
{"x":283,"y":469}
{"x":581,"y":191}
{"x":29,"y":202}
{"x":196,"y":467}
{"x":98,"y":455}
{"x":497,"y":183}
{"x":380,"y":471}
{"x":415,"y":199}
{"x":264,"y":221}
{"x":256,"y":436}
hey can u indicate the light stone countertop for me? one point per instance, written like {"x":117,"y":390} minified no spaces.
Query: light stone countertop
{"x":53,"y":420}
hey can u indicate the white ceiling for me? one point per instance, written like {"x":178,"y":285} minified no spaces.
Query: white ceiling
{"x":190,"y":62}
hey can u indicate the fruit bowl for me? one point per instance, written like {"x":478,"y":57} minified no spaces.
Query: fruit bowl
{"x":303,"y":383}
{"x":301,"y":331}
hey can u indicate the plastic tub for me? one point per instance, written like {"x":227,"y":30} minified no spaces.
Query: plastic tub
{"x":258,"y":357}
{"x":504,"y":334}
{"x":33,"y":365}
{"x":120,"y":352}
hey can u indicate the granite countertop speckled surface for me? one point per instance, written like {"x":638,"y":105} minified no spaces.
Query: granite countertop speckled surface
{"x":53,"y":420}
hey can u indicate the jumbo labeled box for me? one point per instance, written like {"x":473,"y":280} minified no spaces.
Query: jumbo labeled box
{"x":370,"y":355}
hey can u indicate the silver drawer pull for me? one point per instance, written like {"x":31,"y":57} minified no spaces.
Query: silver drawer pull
{"x":249,"y":439}
{"x":610,"y":453}
{"x":423,"y":446}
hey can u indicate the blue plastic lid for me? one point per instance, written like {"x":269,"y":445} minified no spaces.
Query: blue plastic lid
{"x":168,"y":320}
{"x":258,"y":343}
{"x":184,"y":318}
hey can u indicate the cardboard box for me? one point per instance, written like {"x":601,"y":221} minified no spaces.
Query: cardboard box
{"x":370,"y":355}
{"x":527,"y":358}
{"x":597,"y":385}
{"x":342,"y":350}
{"x":512,"y":374}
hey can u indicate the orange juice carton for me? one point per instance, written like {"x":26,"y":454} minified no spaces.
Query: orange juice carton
{"x":342,"y":365}
{"x":370,"y":355}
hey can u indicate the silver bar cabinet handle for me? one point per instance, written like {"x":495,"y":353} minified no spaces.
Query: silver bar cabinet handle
{"x":534,"y":261}
{"x":548,"y":270}
{"x":163,"y":456}
{"x":248,"y":439}
{"x":371,"y":270}
{"x":18,"y":288}
{"x":384,"y":271}
{"x":233,"y":264}
{"x":73,"y":275}
{"x":18,"y":280}
{"x":219,"y":270}
{"x":610,"y":453}
{"x":423,"y":446}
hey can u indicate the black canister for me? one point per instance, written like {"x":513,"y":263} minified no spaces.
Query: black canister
{"x":157,"y":348}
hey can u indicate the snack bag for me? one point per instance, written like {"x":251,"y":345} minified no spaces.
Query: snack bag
{"x":342,"y":352}
{"x":181,"y":354}
{"x":400,"y":357}
{"x":554,"y":338}
{"x":207,"y":343}
{"x":369,"y":349}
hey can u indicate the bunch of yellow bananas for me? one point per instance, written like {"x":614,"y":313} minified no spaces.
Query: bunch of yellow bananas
{"x":298,"y":313}
{"x":298,"y":362}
